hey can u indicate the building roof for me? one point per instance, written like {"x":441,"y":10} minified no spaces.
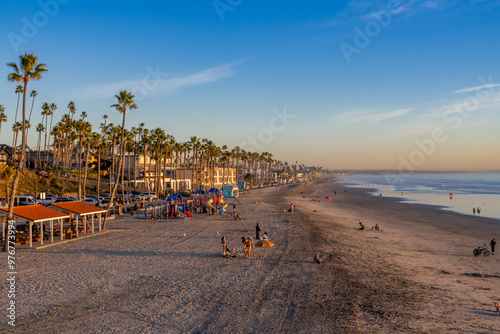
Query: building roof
{"x":78,"y":207}
{"x":37,"y":213}
{"x":5,"y":148}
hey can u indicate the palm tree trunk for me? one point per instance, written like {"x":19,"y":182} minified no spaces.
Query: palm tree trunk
{"x":98,"y":172}
{"x":86,"y":167}
{"x":120,"y":162}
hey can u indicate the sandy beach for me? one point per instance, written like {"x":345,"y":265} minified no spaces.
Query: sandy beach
{"x":417,"y":275}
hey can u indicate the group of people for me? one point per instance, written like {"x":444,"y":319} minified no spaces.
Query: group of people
{"x":247,"y":243}
{"x":478,"y":210}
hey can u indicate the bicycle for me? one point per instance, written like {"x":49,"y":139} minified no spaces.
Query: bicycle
{"x":481,"y":250}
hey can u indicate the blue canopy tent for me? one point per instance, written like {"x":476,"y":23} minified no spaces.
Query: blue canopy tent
{"x":242,"y":185}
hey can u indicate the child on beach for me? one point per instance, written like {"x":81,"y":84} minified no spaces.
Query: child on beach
{"x":224,"y":246}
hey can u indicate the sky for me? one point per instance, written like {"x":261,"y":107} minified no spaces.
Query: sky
{"x":400,"y":84}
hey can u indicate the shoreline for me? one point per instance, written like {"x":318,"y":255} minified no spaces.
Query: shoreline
{"x":461,"y":202}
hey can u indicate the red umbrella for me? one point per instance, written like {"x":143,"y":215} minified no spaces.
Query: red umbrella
{"x":328,"y":198}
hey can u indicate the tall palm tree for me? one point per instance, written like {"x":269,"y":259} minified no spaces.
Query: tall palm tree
{"x":39,"y":128}
{"x":53,"y":108}
{"x":72,"y":109}
{"x":45,"y":116}
{"x":19,"y":90}
{"x":105,"y":117}
{"x":125,"y":101}
{"x":87,"y":139}
{"x":3,"y":117}
{"x":33,"y":94}
{"x":16,"y":127}
{"x":81,"y":128}
{"x":28,"y":69}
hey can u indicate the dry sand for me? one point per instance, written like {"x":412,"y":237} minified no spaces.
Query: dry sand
{"x":418,"y":275}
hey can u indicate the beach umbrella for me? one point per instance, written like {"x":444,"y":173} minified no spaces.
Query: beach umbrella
{"x":264,"y":244}
{"x":328,"y":198}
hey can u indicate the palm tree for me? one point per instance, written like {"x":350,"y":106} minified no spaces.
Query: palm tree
{"x":125,"y":101}
{"x":33,"y":94}
{"x":81,"y":128}
{"x":3,"y":117}
{"x":88,"y":138}
{"x":39,"y":128}
{"x":16,"y":127}
{"x":53,"y":108}
{"x":144,"y":144}
{"x":19,"y":90}
{"x":28,"y":69}
{"x":72,"y":109}
{"x":45,"y":115}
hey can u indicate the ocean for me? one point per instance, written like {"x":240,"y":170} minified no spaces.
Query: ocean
{"x":458,"y":192}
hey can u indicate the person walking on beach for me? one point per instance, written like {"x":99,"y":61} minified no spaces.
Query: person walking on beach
{"x":224,"y":246}
{"x":257,"y":232}
{"x":474,"y":211}
{"x":248,"y":247}
{"x":492,"y":245}
{"x":478,"y":211}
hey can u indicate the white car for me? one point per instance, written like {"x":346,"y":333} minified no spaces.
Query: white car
{"x":24,"y":200}
{"x":146,"y":196}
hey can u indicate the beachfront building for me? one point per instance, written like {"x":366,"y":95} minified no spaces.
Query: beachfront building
{"x":5,"y":154}
{"x":144,"y":173}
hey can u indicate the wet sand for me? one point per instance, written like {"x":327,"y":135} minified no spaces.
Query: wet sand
{"x":417,"y":275}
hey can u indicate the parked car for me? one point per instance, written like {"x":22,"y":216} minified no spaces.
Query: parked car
{"x":146,"y":196}
{"x":63,"y":199}
{"x":91,"y":201}
{"x":49,"y":199}
{"x":24,"y":200}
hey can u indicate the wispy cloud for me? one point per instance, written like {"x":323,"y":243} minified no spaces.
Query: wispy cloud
{"x":154,"y":82}
{"x":372,"y":10}
{"x":370,"y":116}
{"x":475,"y":89}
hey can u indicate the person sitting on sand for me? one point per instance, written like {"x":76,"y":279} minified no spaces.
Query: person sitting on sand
{"x":265,"y":237}
{"x":497,"y":306}
{"x":317,"y":259}
{"x":377,"y":228}
{"x":362,"y":227}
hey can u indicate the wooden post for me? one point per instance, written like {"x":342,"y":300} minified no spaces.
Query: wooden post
{"x":52,"y":231}
{"x":76,"y":217}
{"x":100,"y":224}
{"x":61,"y":229}
{"x":92,"y":223}
{"x":41,"y":233}
{"x":31,"y":234}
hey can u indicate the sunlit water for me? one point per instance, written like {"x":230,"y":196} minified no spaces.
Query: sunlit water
{"x":467,"y":190}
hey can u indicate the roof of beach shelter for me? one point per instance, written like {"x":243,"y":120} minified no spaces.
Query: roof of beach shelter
{"x":79,"y":207}
{"x":37,"y":213}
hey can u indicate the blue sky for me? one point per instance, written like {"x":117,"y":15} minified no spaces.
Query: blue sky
{"x":365,"y":84}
